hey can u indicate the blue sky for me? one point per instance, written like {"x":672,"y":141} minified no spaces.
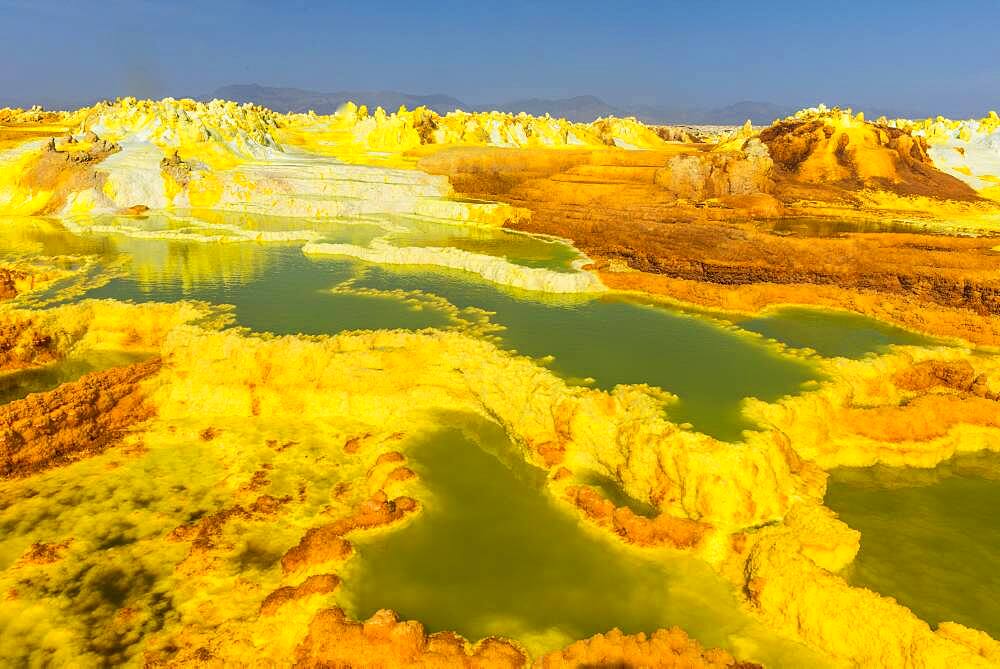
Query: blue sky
{"x":918,"y":57}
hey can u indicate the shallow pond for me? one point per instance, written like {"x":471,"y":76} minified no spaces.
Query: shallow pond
{"x":929,"y":537}
{"x":492,"y":553}
{"x":832,"y":333}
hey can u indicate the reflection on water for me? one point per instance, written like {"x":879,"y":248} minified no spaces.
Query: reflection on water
{"x":276,"y":289}
{"x":516,"y":247}
{"x":491,"y":553}
{"x":837,"y":227}
{"x":929,"y":537}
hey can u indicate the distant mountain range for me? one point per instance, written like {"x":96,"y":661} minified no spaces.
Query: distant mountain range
{"x":583,"y":108}
{"x":300,"y":100}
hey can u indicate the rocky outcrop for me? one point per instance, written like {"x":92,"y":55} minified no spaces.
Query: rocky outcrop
{"x":663,"y":530}
{"x":663,"y":649}
{"x":176,"y":169}
{"x":840,"y":149}
{"x":74,"y":421}
{"x":319,"y":584}
{"x":326,"y":543}
{"x":383,"y":641}
{"x":715,"y":174}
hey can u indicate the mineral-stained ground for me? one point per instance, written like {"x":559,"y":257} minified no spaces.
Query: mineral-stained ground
{"x":323,"y":390}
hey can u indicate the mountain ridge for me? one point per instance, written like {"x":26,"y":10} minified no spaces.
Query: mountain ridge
{"x":579,"y":108}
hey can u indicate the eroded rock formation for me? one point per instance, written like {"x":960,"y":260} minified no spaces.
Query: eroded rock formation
{"x":75,"y":420}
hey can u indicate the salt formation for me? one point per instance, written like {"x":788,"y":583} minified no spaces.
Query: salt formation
{"x":966,"y":149}
{"x":491,"y":268}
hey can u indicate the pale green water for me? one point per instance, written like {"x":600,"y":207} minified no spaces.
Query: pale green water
{"x":520,"y":249}
{"x":832,"y":333}
{"x":617,"y":340}
{"x":492,"y":553}
{"x":929,"y":537}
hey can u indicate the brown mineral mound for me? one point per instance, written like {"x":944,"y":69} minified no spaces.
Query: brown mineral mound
{"x":660,"y":212}
{"x":848,"y":152}
{"x":317,"y":584}
{"x":384,"y":641}
{"x":75,"y":420}
{"x":24,"y":343}
{"x":606,"y":186}
{"x":921,"y":419}
{"x":954,"y":374}
{"x":325,"y":543}
{"x":664,"y":649}
{"x":8,"y":283}
{"x":664,"y":530}
{"x":66,"y":169}
{"x":913,"y":407}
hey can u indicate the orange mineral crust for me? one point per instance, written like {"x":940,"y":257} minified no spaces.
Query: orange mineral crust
{"x":75,"y":420}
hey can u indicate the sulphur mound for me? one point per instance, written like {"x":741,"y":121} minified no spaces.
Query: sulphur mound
{"x":143,"y":154}
{"x":837,"y":148}
{"x":914,"y":407}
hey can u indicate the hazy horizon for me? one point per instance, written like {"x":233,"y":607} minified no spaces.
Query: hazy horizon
{"x":902,"y":56}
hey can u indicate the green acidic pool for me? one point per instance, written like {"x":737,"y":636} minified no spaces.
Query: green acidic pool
{"x":605,"y":341}
{"x":274,"y":288}
{"x":491,"y":553}
{"x":929,"y":537}
{"x":832,"y":333}
{"x":615,"y":340}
